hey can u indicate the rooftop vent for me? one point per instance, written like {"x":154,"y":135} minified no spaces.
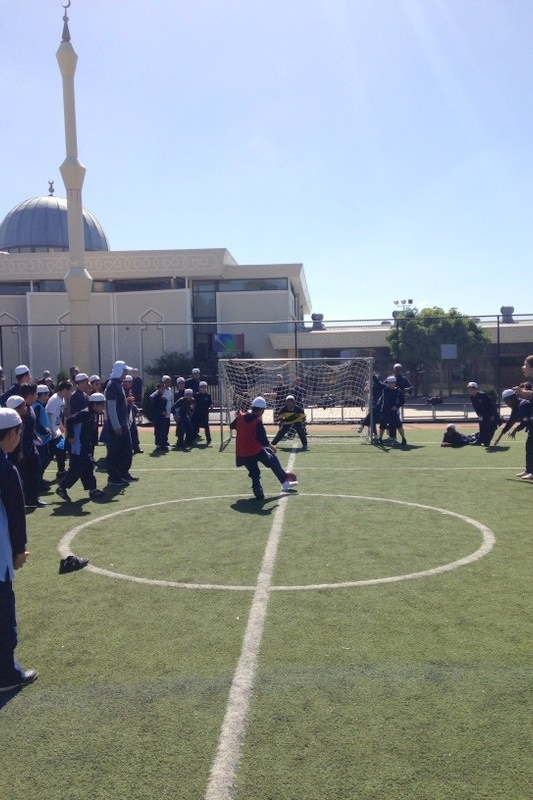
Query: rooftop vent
{"x":507,"y":313}
{"x":318,"y":322}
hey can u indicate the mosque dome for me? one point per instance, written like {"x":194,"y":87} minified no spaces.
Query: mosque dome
{"x":40,"y":225}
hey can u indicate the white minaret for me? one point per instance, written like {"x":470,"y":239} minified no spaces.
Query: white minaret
{"x":77,"y":280}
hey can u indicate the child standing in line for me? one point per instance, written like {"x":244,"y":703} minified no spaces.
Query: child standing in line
{"x":81,"y":430}
{"x":200,"y":415}
{"x":13,"y":553}
{"x":160,"y":417}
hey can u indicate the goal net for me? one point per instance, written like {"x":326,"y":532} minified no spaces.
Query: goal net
{"x":333,"y":391}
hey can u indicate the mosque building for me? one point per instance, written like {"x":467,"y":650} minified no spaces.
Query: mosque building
{"x":66,"y":297}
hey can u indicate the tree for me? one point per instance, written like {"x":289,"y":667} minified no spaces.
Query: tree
{"x":174,"y":363}
{"x":418,"y":335}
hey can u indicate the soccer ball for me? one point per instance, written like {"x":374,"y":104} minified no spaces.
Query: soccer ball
{"x":291,"y":476}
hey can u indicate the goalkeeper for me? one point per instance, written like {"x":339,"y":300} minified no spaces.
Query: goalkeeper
{"x":291,"y":416}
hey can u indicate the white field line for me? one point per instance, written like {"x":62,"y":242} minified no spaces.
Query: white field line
{"x":221,"y":785}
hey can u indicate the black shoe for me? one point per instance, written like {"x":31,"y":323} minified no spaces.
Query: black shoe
{"x":96,"y":493}
{"x":118,"y":482}
{"x":72,"y":564}
{"x":63,"y":494}
{"x":127,"y":477}
{"x":27,"y":677}
{"x":36,"y":504}
{"x":137,"y":451}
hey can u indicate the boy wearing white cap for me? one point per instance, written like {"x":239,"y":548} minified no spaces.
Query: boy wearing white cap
{"x":13,"y":553}
{"x":253,"y":448}
{"x":82,"y":428}
{"x":200,"y":415}
{"x":390,"y":403}
{"x":194,"y":381}
{"x":79,"y":399}
{"x":182,"y":410}
{"x":22,"y":376}
{"x":119,"y":448}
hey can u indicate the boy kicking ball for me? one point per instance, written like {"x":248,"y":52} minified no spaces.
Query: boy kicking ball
{"x":253,"y":448}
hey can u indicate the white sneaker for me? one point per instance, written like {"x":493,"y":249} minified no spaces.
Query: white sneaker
{"x":521,"y":474}
{"x":527,"y":477}
{"x":289,"y":484}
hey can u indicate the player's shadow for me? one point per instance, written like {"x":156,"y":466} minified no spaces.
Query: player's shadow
{"x":6,"y":697}
{"x":498,"y":448}
{"x":250,"y":505}
{"x":76,"y":508}
{"x":403,"y":448}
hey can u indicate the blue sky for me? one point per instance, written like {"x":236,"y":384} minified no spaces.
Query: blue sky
{"x":385,"y":144}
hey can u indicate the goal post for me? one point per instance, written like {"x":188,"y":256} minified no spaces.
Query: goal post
{"x":333,"y":391}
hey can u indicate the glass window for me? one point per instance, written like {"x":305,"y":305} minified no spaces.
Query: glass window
{"x":253,"y":285}
{"x":142,"y":284}
{"x":204,"y":301}
{"x":15,"y":288}
{"x":49,"y":286}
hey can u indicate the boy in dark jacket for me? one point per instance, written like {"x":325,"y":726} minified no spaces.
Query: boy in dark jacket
{"x":81,"y":428}
{"x":13,"y":553}
{"x":200,"y":415}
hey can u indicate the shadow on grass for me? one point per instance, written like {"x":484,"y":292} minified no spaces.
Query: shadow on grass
{"x":6,"y":697}
{"x":404,"y":448}
{"x":252,"y":506}
{"x":498,"y":448}
{"x":76,"y":508}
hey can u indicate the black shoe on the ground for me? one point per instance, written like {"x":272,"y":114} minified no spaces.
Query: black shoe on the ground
{"x":36,"y":504}
{"x":118,"y":482}
{"x":63,"y":494}
{"x":128,"y":477}
{"x":72,"y":564}
{"x":29,"y":676}
{"x":137,"y":451}
{"x":96,"y":493}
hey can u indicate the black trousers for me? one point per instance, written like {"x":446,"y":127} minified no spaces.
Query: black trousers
{"x":119,"y":454}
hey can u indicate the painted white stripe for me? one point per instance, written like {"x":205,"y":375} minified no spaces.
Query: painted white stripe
{"x":221,"y":785}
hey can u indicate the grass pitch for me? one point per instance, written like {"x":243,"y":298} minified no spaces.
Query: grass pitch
{"x":419,"y":689}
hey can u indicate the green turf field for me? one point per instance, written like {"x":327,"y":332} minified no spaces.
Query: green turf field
{"x":327,"y":645}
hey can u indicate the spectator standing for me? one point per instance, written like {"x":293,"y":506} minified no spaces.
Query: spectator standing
{"x":55,"y":411}
{"x":119,"y":448}
{"x":194,"y":381}
{"x":160,"y":417}
{"x":13,"y":553}
{"x":200,"y":414}
{"x":137,"y":386}
{"x":22,"y":376}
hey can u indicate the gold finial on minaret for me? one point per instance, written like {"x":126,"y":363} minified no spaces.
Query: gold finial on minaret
{"x":66,"y":32}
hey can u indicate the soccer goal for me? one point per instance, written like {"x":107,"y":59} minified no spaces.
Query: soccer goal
{"x":334,"y":391}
